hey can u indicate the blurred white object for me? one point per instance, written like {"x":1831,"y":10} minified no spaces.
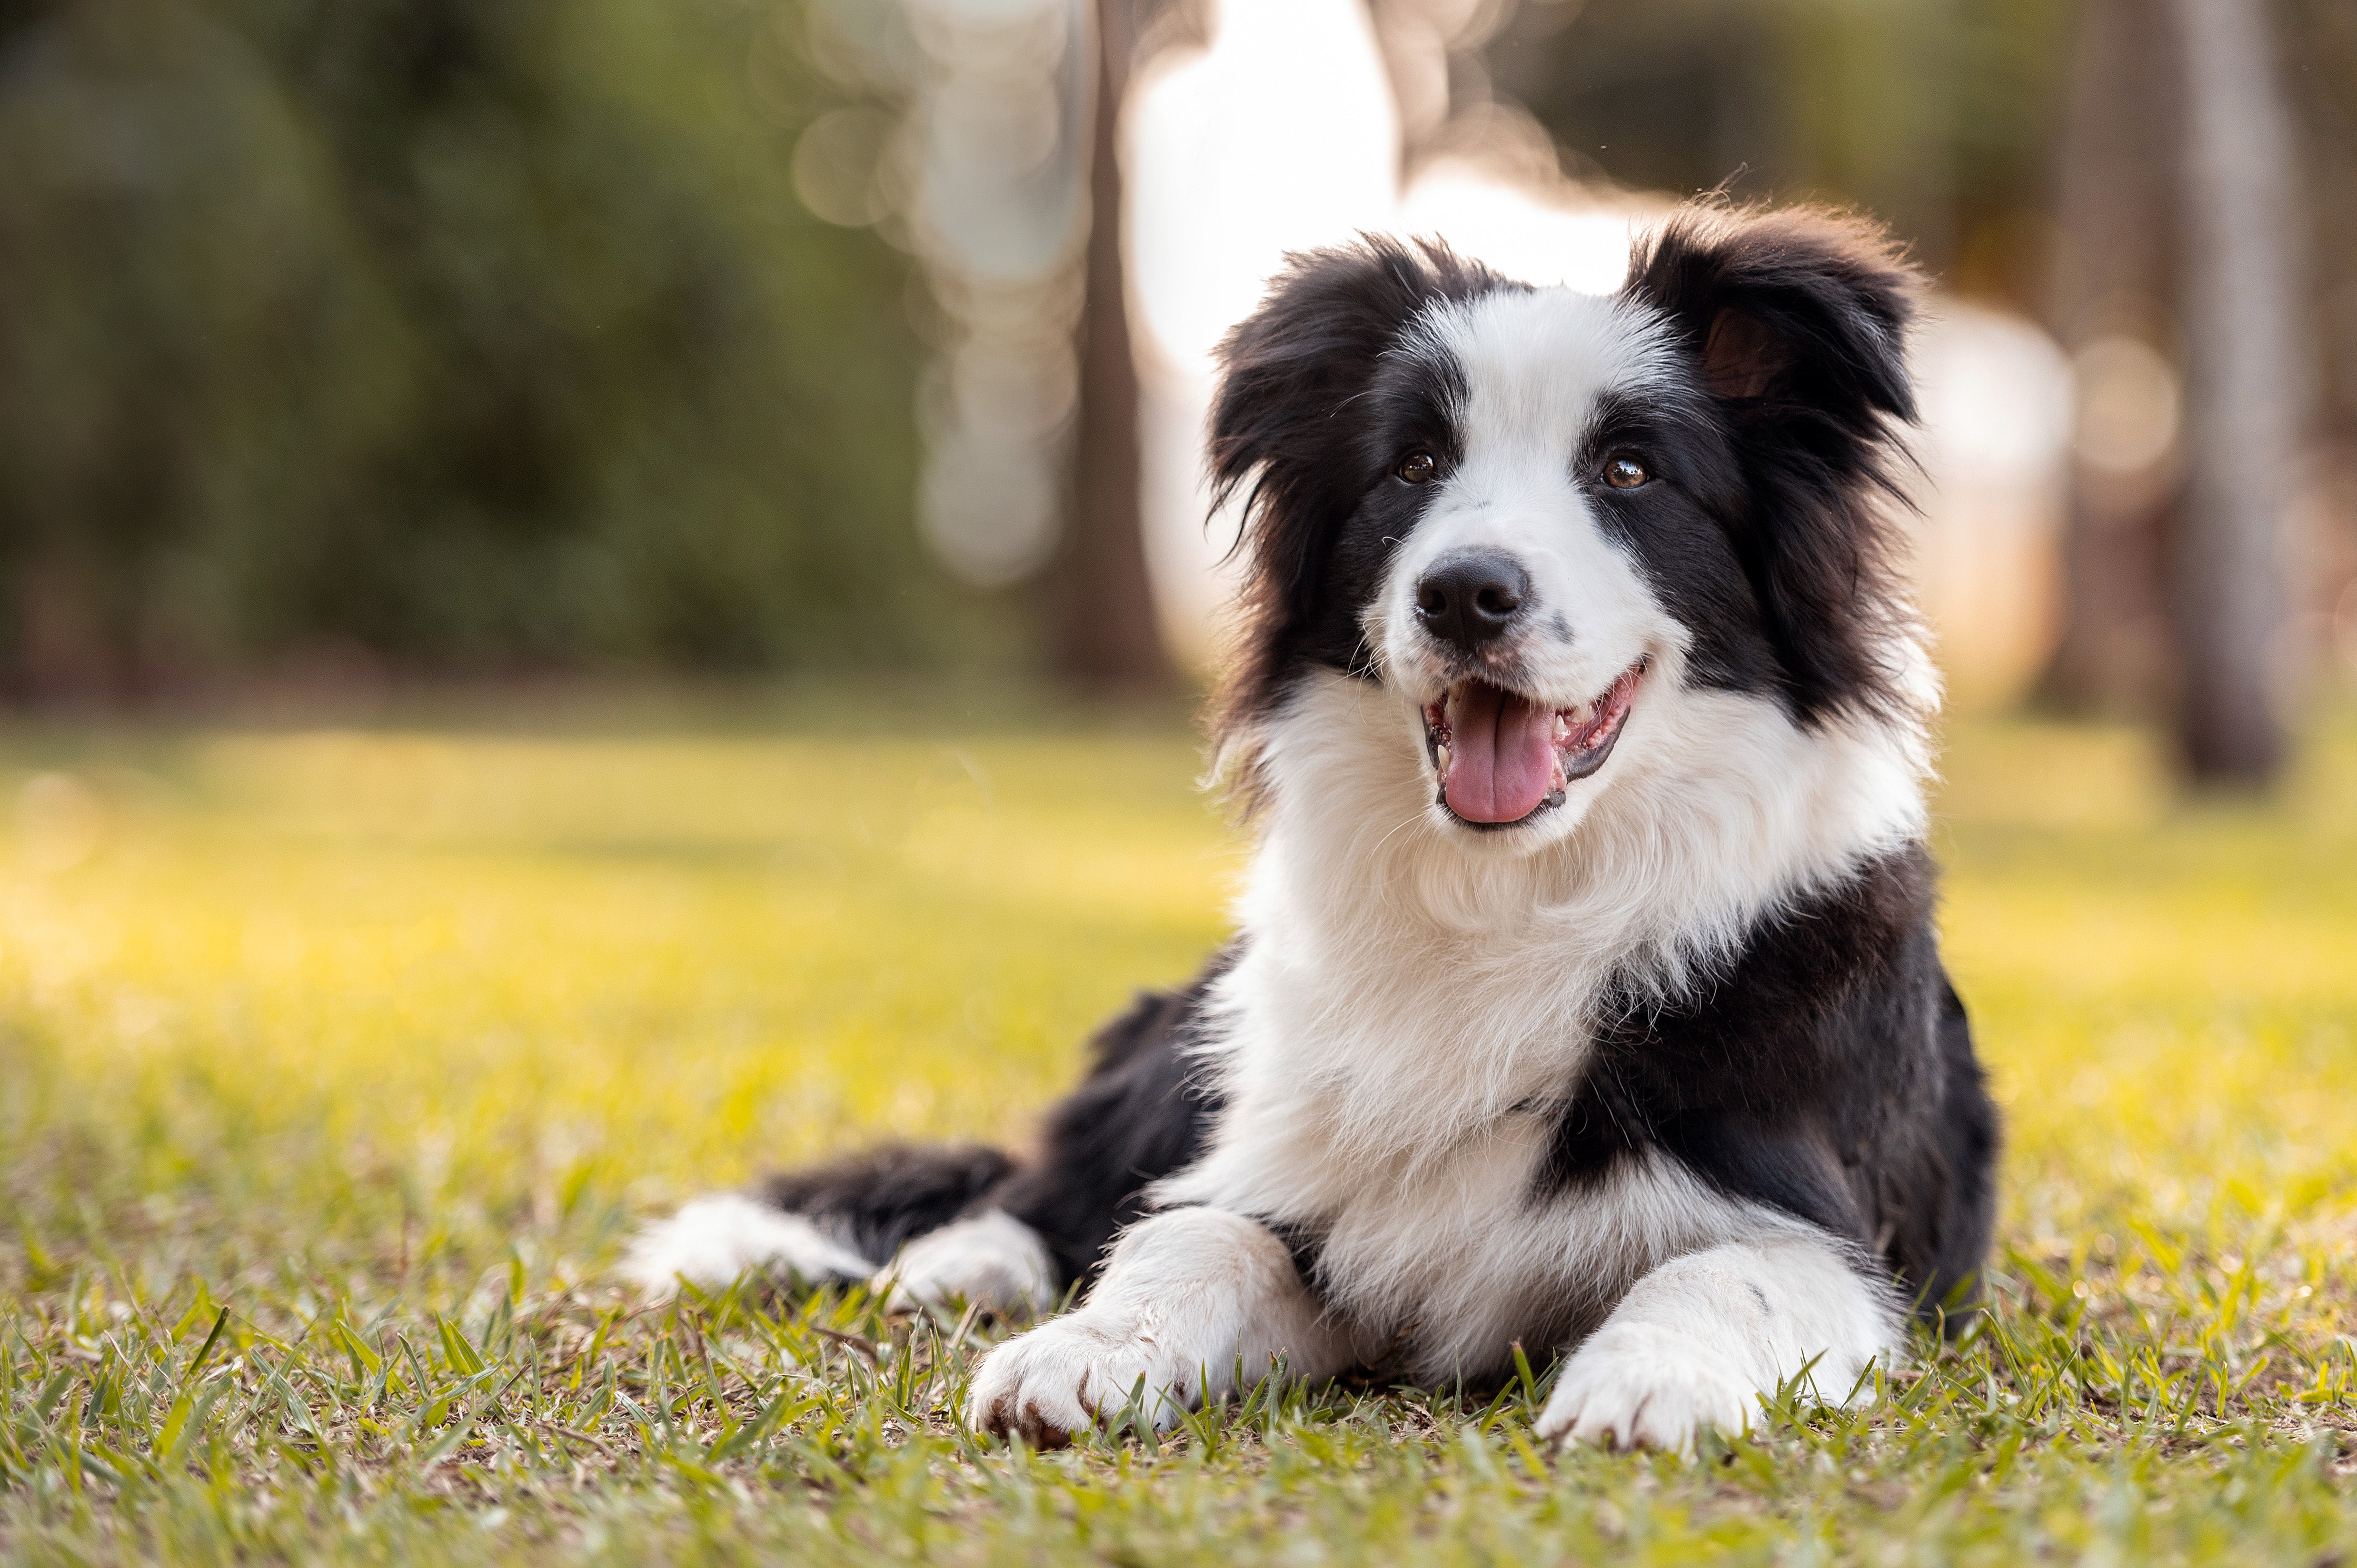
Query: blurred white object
{"x":2129,"y":405}
{"x":1280,"y":136}
{"x":1995,"y":447}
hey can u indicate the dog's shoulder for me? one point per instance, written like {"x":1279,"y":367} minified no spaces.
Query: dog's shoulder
{"x":1822,"y":1070}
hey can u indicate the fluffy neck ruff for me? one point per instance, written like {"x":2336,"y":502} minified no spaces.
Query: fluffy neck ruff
{"x":1402,"y":989}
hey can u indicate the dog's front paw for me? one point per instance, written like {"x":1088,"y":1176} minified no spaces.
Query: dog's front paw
{"x":1636,"y":1385}
{"x":1070,"y":1374}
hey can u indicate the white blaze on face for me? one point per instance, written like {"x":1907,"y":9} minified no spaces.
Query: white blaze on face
{"x":1534,"y":368}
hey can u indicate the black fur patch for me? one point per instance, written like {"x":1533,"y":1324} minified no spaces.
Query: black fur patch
{"x":1138,"y":1117}
{"x":1312,"y":417}
{"x":1828,"y":1072}
{"x":1682,"y":531}
{"x":875,"y":1201}
{"x":1797,"y":322}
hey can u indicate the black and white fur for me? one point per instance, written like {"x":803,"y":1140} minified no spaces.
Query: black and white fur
{"x":1664,"y":1072}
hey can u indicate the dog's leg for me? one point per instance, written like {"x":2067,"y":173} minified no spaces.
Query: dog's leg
{"x":1186,"y":1298}
{"x":1695,"y":1342}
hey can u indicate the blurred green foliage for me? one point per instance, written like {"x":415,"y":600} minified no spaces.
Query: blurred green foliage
{"x":1938,"y":115}
{"x":1941,"y":117}
{"x":462,"y":334}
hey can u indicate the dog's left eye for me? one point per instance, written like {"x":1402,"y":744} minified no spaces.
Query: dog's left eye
{"x":1416,"y":468}
{"x":1626,"y":473}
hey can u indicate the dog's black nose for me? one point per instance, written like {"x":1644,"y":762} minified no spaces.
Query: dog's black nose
{"x":1470,"y":597}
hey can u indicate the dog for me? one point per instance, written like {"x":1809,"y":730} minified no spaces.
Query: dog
{"x":1585,"y":992}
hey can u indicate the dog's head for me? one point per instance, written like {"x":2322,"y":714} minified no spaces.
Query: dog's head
{"x":1533,"y":514}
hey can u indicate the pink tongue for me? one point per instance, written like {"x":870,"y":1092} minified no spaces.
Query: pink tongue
{"x":1503,"y":755}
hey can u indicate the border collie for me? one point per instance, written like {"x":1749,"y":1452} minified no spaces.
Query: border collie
{"x":1584,"y":992}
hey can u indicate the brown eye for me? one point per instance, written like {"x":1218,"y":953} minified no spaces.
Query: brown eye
{"x":1416,"y":468}
{"x":1625,"y":474}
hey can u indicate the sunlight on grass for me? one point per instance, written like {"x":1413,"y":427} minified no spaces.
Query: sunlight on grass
{"x":382,"y":1041}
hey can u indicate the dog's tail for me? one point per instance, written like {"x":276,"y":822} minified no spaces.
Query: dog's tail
{"x":832,"y":1224}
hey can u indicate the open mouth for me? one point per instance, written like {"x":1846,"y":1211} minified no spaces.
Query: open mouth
{"x":1501,"y":758}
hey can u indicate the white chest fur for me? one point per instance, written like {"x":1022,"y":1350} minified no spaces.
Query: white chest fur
{"x":1403,"y":1011}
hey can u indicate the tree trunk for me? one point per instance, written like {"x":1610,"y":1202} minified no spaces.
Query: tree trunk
{"x":2113,"y":217}
{"x":1106,"y":635}
{"x":2248,"y":390}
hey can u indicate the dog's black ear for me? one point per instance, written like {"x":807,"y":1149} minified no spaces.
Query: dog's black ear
{"x":1280,"y":436}
{"x":1797,"y":320}
{"x":1288,"y":371}
{"x":1792,"y":310}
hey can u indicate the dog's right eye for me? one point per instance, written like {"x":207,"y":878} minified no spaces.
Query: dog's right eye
{"x":1625,"y":473}
{"x":1416,"y":468}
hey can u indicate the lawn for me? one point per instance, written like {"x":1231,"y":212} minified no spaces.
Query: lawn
{"x":335,"y":1067}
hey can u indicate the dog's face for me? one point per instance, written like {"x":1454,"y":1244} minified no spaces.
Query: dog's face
{"x":1537,"y":517}
{"x":1540,"y":481}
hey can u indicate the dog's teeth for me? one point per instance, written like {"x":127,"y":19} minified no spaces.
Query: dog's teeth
{"x":1556,"y":780}
{"x":1441,"y":759}
{"x":1583,"y":713}
{"x":1562,"y":729}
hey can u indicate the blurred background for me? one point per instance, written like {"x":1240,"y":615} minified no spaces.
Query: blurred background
{"x":350,"y":347}
{"x":600,"y":595}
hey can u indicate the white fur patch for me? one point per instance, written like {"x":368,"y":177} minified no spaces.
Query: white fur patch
{"x":1188,"y":1300}
{"x":1405,"y":1016}
{"x":1535,"y":365}
{"x":993,"y":1259}
{"x":1398,"y":994}
{"x":1699,"y":1339}
{"x":712,"y":1240}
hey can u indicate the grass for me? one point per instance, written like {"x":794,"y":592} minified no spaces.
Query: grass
{"x":335,"y":1066}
